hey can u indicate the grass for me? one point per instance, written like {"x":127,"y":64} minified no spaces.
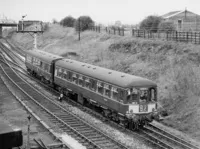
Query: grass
{"x":173,"y":66}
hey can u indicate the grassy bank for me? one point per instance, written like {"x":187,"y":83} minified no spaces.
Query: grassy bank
{"x":174,"y":66}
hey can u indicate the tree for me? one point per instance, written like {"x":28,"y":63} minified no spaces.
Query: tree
{"x":83,"y":23}
{"x":151,"y":23}
{"x":54,"y":21}
{"x":68,"y":21}
{"x":166,"y":26}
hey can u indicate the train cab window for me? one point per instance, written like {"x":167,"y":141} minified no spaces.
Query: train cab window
{"x":107,"y":90}
{"x":93,"y":84}
{"x":132,"y":96}
{"x":100,"y":87}
{"x":153,"y":94}
{"x":80,"y":80}
{"x":74,"y":78}
{"x":114,"y":93}
{"x":87,"y":82}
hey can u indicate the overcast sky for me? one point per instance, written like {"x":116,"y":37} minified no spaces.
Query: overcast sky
{"x":101,"y":11}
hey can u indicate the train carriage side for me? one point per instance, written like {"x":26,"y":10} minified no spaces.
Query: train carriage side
{"x":41,"y":64}
{"x":109,"y":89}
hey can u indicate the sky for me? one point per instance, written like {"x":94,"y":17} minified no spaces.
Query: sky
{"x":101,"y":11}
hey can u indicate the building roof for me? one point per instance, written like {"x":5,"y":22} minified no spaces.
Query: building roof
{"x":171,"y":14}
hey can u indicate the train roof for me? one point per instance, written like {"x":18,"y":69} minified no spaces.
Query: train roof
{"x":45,"y":56}
{"x":110,"y":76}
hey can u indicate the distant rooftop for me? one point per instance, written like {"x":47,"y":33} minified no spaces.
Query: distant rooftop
{"x":172,"y":13}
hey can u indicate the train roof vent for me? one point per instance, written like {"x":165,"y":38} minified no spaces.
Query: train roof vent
{"x":109,"y":72}
{"x":94,"y":68}
{"x":71,"y":62}
{"x":122,"y":76}
{"x":88,"y":66}
{"x":83,"y":65}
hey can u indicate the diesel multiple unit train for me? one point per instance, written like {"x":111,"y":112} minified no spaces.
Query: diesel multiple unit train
{"x":126,"y":99}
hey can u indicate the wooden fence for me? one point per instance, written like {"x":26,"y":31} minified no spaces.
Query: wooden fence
{"x":189,"y":37}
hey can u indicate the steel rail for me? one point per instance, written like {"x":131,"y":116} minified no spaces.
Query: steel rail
{"x":180,"y":142}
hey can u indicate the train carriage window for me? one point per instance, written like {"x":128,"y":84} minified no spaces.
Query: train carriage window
{"x":80,"y":80}
{"x":36,"y":62}
{"x":100,"y":87}
{"x":59,"y":72}
{"x":87,"y":83}
{"x":46,"y":67}
{"x":74,"y":78}
{"x":56,"y":72}
{"x":93,"y":84}
{"x":29,"y":59}
{"x":121,"y":94}
{"x":70,"y":76}
{"x":65,"y":74}
{"x":114,"y":93}
{"x":107,"y":89}
{"x":40,"y":64}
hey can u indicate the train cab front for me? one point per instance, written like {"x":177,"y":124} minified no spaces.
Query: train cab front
{"x":142,"y":105}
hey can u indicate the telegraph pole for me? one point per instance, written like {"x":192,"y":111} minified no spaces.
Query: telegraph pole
{"x":79,"y":29}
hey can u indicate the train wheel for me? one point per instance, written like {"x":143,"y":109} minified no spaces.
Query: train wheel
{"x":133,"y":125}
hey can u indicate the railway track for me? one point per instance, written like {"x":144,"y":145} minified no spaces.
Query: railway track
{"x":65,"y":120}
{"x":152,"y":134}
{"x":165,"y":136}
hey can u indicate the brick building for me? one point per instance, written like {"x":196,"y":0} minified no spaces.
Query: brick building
{"x":184,"y":20}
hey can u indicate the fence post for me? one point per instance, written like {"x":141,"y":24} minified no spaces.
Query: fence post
{"x":99,"y":29}
{"x":167,"y":35}
{"x":187,"y":36}
{"x":195,"y":37}
{"x":123,"y":31}
{"x":144,"y":33}
{"x":176,"y":36}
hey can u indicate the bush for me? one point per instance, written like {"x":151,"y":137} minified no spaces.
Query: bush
{"x":85,"y":23}
{"x":45,"y":27}
{"x":68,"y":21}
{"x":151,"y":23}
{"x":166,"y":26}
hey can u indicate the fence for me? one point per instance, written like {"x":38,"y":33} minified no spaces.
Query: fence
{"x":192,"y":37}
{"x":109,"y":30}
{"x":189,"y":37}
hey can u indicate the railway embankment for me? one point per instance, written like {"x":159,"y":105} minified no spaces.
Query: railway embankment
{"x":173,"y":66}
